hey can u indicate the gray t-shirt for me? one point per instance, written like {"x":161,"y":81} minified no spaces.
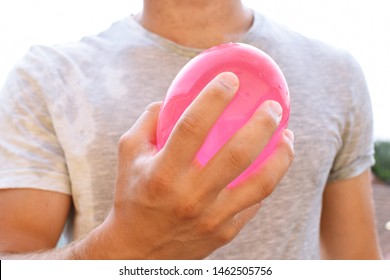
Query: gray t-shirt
{"x":63,"y":109}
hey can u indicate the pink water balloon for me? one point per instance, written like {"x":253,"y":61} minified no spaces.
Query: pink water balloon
{"x":260,"y":79}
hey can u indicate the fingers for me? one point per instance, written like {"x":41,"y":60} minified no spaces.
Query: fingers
{"x":225,"y":229}
{"x":191,"y":130}
{"x":143,"y":132}
{"x":262,"y":182}
{"x":244,"y":147}
{"x":238,"y":205}
{"x":243,"y":217}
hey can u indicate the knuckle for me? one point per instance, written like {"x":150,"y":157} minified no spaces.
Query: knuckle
{"x":239,"y":156}
{"x":125,"y":143}
{"x":188,"y":210}
{"x":268,"y":183}
{"x":267,"y":188}
{"x":159,"y":181}
{"x":209,"y":226}
{"x":189,"y":125}
{"x":158,"y":185}
{"x":227,"y":235}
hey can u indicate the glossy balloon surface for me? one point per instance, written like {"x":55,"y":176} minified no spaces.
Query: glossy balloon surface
{"x":260,"y":79}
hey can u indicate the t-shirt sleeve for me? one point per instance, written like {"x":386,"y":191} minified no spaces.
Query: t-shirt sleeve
{"x":356,"y":153}
{"x":30,"y":153}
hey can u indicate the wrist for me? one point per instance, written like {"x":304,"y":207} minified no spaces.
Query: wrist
{"x":102,"y":243}
{"x":91,"y":247}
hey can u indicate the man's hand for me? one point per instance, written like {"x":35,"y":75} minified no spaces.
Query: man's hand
{"x":168,"y":206}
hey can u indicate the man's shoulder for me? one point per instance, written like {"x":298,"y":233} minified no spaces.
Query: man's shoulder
{"x":275,"y":35}
{"x":119,"y":34}
{"x":296,"y":51}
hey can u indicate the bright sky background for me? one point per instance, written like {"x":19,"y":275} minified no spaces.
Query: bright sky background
{"x":360,"y":26}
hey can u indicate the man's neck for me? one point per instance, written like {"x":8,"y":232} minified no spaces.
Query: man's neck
{"x":196,"y":23}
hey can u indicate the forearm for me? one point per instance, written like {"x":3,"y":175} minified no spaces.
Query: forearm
{"x":54,"y":254}
{"x":87,"y":248}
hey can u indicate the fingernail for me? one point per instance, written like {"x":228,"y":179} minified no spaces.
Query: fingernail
{"x":276,"y":109}
{"x":229,"y":80}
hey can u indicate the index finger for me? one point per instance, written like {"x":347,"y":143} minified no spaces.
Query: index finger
{"x":192,"y":128}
